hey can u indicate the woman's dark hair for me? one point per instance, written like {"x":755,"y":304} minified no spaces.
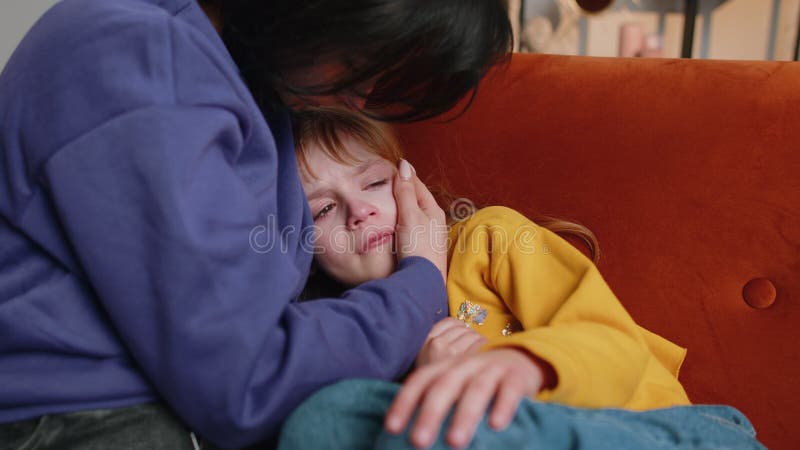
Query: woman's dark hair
{"x":423,"y":55}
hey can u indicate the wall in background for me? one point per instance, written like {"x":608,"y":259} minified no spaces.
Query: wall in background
{"x":724,"y":29}
{"x":16,"y":17}
{"x":787,"y":29}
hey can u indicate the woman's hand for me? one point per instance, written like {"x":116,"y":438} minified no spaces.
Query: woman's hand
{"x":449,"y":337}
{"x":421,"y":227}
{"x":505,"y":374}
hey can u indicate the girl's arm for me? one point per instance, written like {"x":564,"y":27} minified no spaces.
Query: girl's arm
{"x":574,"y":330}
{"x":570,"y":318}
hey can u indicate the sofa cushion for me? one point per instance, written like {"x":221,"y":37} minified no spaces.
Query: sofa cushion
{"x":687,"y":171}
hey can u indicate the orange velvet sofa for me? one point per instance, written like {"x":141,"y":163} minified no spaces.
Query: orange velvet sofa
{"x":688,"y":171}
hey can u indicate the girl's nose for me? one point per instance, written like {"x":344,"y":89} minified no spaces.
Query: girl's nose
{"x":359,"y":212}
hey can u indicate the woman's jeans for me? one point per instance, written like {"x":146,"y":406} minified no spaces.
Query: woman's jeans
{"x":148,"y":426}
{"x":349,"y":416}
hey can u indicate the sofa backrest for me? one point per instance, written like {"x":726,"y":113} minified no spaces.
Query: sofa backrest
{"x":688,"y":171}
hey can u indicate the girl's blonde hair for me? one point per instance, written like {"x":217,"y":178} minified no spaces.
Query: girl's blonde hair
{"x":327,"y":128}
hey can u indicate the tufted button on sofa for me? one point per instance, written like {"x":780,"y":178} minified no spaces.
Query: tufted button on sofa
{"x":759,"y":293}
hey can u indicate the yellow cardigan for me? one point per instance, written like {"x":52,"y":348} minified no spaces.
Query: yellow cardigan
{"x":528,"y":288}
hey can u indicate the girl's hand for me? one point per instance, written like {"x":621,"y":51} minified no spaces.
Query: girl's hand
{"x":504,"y":374}
{"x":421,"y":227}
{"x":449,"y":337}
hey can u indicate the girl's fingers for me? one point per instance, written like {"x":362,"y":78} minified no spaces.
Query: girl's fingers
{"x":431,"y":391}
{"x":409,"y":396}
{"x":444,"y":325}
{"x":445,"y":345}
{"x":439,"y":399}
{"x":453,"y":333}
{"x":465,"y":341}
{"x":456,"y":341}
{"x":507,"y":375}
{"x":509,"y":395}
{"x":476,"y":346}
{"x":472,"y":406}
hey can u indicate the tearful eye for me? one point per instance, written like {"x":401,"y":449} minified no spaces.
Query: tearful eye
{"x":378,"y":183}
{"x":324,"y":211}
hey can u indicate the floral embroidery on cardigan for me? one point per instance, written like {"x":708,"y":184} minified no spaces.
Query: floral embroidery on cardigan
{"x":470,"y":313}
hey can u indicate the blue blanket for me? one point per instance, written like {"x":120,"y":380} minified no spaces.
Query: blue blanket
{"x":349,"y":415}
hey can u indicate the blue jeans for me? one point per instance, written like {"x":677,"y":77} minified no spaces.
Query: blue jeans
{"x":149,"y":426}
{"x":349,"y":415}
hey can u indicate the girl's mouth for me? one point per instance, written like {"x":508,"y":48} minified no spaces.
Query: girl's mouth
{"x":376,"y":240}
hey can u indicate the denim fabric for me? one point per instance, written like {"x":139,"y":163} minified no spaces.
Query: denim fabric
{"x":349,"y":415}
{"x":149,"y":426}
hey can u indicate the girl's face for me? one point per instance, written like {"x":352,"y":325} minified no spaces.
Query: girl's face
{"x":354,"y":213}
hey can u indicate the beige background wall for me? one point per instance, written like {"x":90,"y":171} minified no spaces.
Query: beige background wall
{"x":739,"y":29}
{"x":16,"y":16}
{"x":786,"y":37}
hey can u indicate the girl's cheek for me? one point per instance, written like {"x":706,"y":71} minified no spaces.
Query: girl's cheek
{"x":337,"y":242}
{"x":316,"y":238}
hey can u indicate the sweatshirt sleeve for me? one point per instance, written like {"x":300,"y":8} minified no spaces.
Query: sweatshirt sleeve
{"x":159,"y":202}
{"x":569,"y":317}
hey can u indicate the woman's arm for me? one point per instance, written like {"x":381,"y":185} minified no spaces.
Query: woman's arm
{"x":164,"y":169}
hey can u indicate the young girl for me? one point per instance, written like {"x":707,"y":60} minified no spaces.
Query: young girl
{"x":537,"y":302}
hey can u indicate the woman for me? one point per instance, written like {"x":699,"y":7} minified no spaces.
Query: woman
{"x":153,"y":222}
